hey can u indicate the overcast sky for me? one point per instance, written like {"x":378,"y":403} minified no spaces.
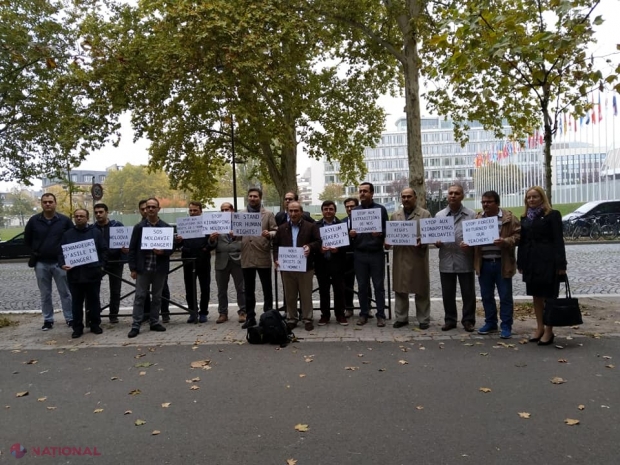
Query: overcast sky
{"x":128,"y":152}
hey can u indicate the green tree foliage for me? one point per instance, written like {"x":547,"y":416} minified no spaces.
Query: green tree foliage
{"x":46,"y":116}
{"x":522,"y":61}
{"x":333,"y":192}
{"x":124,"y":188}
{"x":192,"y":72}
{"x":23,"y":205}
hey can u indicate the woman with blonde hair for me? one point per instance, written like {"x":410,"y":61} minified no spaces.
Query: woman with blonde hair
{"x":541,"y":257}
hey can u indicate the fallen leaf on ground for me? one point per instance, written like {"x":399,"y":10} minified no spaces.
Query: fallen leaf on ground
{"x":155,"y":432}
{"x":22,"y":394}
{"x":403,"y":362}
{"x":563,"y":360}
{"x":165,"y":405}
{"x":194,"y":387}
{"x":557,"y":380}
{"x":571,"y":422}
{"x":195,"y":380}
{"x":51,"y":408}
{"x":485,"y":389}
{"x":351,"y":368}
{"x":98,"y":410}
{"x":523,"y":341}
{"x":301,"y":428}
{"x":291,"y":462}
{"x":140,"y":355}
{"x":142,"y":373}
{"x":484,"y":354}
{"x":114,"y":378}
{"x":144,"y":365}
{"x":302,"y":375}
{"x":524,"y":414}
{"x":140,"y":422}
{"x":135,"y":392}
{"x":606,"y":357}
{"x":419,"y":407}
{"x":200,"y":363}
{"x":468,"y":344}
{"x":41,"y":399}
{"x":381,"y":369}
{"x":610,"y":366}
{"x":127,"y":412}
{"x":360,"y":355}
{"x":581,"y":407}
{"x":31,"y":362}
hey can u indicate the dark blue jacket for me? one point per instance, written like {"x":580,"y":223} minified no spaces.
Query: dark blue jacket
{"x":113,"y":254}
{"x":366,"y":242}
{"x":91,"y":272}
{"x":43,"y":236}
{"x":137,"y":256}
{"x":333,"y":262}
{"x":198,"y":248}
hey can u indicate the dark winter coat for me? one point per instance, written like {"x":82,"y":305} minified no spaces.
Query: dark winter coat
{"x":43,"y":236}
{"x":90,"y":272}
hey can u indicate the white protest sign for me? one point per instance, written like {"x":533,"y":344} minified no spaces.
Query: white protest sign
{"x":366,"y":220}
{"x":80,"y":253}
{"x":120,"y":236}
{"x":437,"y":229}
{"x":401,"y":232}
{"x":190,"y":227}
{"x":480,"y":231}
{"x":292,"y":259}
{"x":157,"y":238}
{"x":246,"y":224}
{"x":335,"y":235}
{"x":217,"y":222}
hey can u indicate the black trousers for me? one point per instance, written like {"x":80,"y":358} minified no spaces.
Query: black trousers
{"x":203,"y":273}
{"x":327,"y":279}
{"x":467,"y":282}
{"x":249,"y":279}
{"x":115,"y":274}
{"x":85,"y":293}
{"x":165,"y":301}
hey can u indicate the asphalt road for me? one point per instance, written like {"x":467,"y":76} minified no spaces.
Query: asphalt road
{"x":429,"y":410}
{"x":593,"y":269}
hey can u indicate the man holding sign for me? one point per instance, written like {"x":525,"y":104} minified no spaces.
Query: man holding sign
{"x":368,"y":255}
{"x":495,"y":264}
{"x":83,"y":256}
{"x":149,"y":265}
{"x":303,"y":235}
{"x":411,"y":271}
{"x":115,"y":262}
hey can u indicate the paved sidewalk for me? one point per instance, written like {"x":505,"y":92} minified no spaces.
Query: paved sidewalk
{"x":601,"y":319}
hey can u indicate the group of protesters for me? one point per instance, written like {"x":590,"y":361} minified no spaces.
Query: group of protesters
{"x":540,"y":259}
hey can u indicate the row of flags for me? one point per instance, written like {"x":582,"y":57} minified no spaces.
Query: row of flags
{"x":567,"y":123}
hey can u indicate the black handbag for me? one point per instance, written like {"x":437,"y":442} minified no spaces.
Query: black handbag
{"x":562,"y":311}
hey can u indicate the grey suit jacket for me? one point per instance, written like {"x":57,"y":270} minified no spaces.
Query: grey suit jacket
{"x":225,"y":250}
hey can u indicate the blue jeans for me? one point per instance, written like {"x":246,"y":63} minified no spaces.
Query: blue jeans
{"x":370,"y":266}
{"x":45,"y":272}
{"x":491,"y":277}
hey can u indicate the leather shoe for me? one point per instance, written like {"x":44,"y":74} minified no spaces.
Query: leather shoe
{"x":448,"y":326}
{"x":547,"y":343}
{"x":380,"y":322}
{"x":469,"y":327}
{"x":308,"y":326}
{"x":165,"y":318}
{"x":223,"y":318}
{"x":96,"y":329}
{"x":134,"y":332}
{"x":424,"y":326}
{"x":242,"y":317}
{"x":291,"y":325}
{"x":76,"y":334}
{"x":362,"y":320}
{"x":248,"y":323}
{"x":158,"y":327}
{"x":400,"y":324}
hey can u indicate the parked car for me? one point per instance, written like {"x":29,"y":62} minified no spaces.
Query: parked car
{"x":14,"y":248}
{"x":606,"y":209}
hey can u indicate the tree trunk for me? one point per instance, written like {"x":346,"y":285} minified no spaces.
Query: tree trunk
{"x":547,"y":149}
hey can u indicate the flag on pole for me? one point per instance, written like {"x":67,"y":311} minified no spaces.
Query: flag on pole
{"x":593,"y":111}
{"x":600,"y":110}
{"x":614,"y":104}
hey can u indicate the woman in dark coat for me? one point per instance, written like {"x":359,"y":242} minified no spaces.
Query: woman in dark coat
{"x":541,"y":257}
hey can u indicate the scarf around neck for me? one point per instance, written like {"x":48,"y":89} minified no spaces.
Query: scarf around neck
{"x":533,"y":213}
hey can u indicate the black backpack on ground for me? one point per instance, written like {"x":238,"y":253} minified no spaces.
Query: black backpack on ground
{"x":271,"y":329}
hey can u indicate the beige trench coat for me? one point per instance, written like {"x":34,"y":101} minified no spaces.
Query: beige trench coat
{"x":410,"y":264}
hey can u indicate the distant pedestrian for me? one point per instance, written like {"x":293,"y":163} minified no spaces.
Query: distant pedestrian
{"x":85,"y":280}
{"x":43,"y":234}
{"x":541,"y":257}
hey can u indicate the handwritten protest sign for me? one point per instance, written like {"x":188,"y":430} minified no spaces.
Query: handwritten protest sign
{"x":80,"y":253}
{"x":292,"y":259}
{"x":401,"y":232}
{"x":190,"y":227}
{"x":480,"y":231}
{"x":120,"y":236}
{"x":217,"y":222}
{"x":366,"y":220}
{"x":335,"y":235}
{"x":437,"y":229}
{"x":246,"y":224}
{"x":157,"y":238}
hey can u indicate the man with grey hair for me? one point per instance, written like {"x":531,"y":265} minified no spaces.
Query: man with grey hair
{"x":456,"y":262}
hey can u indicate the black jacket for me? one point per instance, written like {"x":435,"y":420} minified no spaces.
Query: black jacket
{"x":137,"y":256}
{"x":44,"y":236}
{"x":90,"y":272}
{"x":281,"y":217}
{"x":198,"y":248}
{"x":113,"y":254}
{"x":334,"y":262}
{"x":366,"y":242}
{"x":308,"y":235}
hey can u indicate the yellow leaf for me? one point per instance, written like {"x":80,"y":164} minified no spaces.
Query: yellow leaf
{"x":41,"y":399}
{"x":98,"y":410}
{"x":360,"y":355}
{"x":523,"y":341}
{"x":571,"y":422}
{"x":302,"y":375}
{"x":22,"y":394}
{"x":127,"y":412}
{"x":165,"y":405}
{"x":50,"y":62}
{"x":403,"y":362}
{"x":200,"y":363}
{"x":196,"y":379}
{"x":610,"y":366}
{"x":194,"y":387}
{"x":485,"y":389}
{"x":581,"y":407}
{"x":524,"y":414}
{"x":140,"y":422}
{"x":155,"y":432}
{"x":140,"y":355}
{"x":135,"y":392}
{"x":557,"y":380}
{"x":301,"y":428}
{"x":291,"y":462}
